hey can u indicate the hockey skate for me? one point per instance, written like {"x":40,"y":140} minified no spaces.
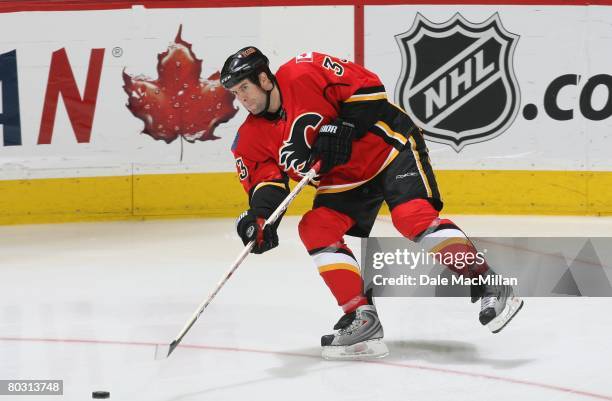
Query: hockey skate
{"x":498,"y":305}
{"x":359,"y":336}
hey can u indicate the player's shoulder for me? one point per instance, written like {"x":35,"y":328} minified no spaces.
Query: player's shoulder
{"x":248,"y":139}
{"x":304,"y":63}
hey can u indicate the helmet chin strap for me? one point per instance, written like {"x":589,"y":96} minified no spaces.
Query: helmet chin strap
{"x":278,"y":113}
{"x":265,"y":112}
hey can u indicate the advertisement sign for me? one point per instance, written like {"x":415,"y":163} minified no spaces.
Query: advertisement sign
{"x":500,"y":87}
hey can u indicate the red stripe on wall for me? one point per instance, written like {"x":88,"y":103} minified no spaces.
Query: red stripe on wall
{"x":359,"y":34}
{"x":68,"y":5}
{"x":485,"y":2}
{"x":64,"y":5}
{"x":495,"y":2}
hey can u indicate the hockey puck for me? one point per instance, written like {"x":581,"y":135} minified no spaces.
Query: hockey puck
{"x":100,"y":394}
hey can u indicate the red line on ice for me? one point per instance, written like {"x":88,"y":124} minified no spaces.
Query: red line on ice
{"x":302,"y":355}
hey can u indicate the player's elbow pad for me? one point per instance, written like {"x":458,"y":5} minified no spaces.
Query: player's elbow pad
{"x":363,"y":115}
{"x":265,"y":199}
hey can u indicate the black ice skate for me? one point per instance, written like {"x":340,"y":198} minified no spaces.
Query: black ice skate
{"x":498,"y":305}
{"x":359,"y":336}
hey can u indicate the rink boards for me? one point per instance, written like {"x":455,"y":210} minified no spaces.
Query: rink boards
{"x":516,"y":100}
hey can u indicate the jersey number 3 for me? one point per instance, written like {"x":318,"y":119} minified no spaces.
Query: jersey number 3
{"x":332,"y":65}
{"x":243,"y":172}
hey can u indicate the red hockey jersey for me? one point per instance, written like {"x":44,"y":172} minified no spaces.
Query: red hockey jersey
{"x":315,"y":89}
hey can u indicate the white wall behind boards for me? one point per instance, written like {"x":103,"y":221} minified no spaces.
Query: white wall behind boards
{"x":132,"y":40}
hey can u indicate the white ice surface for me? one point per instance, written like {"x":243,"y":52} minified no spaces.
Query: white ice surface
{"x":86,"y":302}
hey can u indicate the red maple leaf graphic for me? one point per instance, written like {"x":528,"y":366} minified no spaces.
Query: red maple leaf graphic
{"x":179,"y":102}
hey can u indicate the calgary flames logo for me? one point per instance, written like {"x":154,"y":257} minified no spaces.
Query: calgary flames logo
{"x":295,"y":151}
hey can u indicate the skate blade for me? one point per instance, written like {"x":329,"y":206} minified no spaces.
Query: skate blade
{"x":513,"y":306}
{"x":363,"y":350}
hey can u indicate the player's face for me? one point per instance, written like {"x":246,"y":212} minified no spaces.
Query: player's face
{"x":251,"y":96}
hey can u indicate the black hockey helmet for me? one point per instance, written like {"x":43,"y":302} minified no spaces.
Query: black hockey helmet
{"x":247,"y":62}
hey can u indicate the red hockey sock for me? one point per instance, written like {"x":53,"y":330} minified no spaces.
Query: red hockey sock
{"x":340,"y":271}
{"x":321,"y":231}
{"x":417,"y":219}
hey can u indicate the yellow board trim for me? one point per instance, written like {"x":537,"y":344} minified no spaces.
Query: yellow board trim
{"x":221,"y":195}
{"x":339,"y":266}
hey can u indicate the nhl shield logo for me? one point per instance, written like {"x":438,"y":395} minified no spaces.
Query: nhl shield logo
{"x":457,"y":80}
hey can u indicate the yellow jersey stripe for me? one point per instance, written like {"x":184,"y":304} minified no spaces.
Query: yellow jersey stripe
{"x":340,"y":266}
{"x":451,"y":241}
{"x":366,"y":98}
{"x":263,"y":184}
{"x":398,"y":107}
{"x":332,"y":189}
{"x":390,"y":133}
{"x":413,"y":147}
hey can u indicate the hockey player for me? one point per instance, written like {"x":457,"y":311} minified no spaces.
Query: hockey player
{"x":319,"y":107}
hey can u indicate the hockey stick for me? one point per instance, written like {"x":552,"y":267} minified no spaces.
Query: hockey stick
{"x":163,"y":351}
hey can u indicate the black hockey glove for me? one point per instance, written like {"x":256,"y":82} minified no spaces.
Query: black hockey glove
{"x":250,"y":227}
{"x":333,"y":145}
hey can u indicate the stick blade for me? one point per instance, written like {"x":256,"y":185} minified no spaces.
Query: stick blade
{"x":163,"y":351}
